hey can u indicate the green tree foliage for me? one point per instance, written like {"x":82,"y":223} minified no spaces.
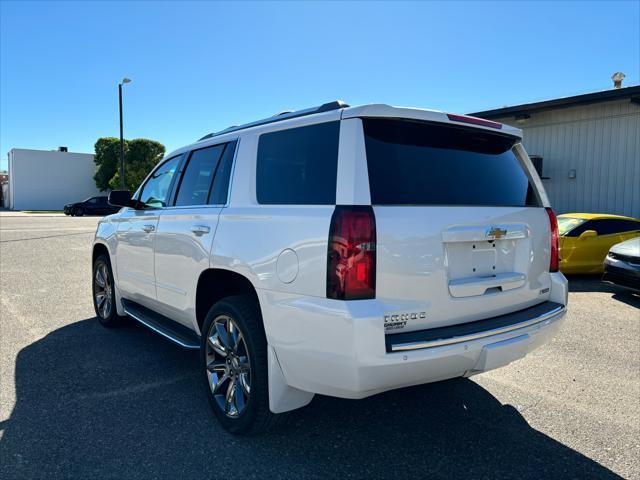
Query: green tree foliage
{"x":107,"y":159}
{"x":140,"y":156}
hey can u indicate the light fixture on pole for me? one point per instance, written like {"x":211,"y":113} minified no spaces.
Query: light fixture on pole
{"x":122,"y":183}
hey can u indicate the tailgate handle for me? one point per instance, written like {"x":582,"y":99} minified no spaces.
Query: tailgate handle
{"x":475,"y":286}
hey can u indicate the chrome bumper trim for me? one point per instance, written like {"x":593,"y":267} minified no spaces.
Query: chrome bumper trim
{"x":402,"y":347}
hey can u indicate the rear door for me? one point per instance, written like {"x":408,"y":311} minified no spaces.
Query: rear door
{"x":186,"y":229}
{"x":91,"y":206}
{"x":461,"y":232}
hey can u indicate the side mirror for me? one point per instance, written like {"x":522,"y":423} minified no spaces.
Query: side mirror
{"x":588,"y":234}
{"x":122,"y":198}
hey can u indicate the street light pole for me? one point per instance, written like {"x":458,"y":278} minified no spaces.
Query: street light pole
{"x":122,"y":182}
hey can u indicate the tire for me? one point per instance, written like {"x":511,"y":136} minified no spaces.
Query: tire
{"x":103,"y":293}
{"x":78,"y":212}
{"x":246,"y":409}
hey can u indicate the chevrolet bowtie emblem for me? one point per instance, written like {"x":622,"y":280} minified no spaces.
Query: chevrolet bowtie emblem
{"x":496,"y":232}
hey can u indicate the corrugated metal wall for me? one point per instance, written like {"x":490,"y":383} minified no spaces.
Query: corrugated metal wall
{"x":602,"y":143}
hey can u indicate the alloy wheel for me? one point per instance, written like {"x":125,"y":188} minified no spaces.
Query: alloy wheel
{"x":228,"y":366}
{"x":102,"y":291}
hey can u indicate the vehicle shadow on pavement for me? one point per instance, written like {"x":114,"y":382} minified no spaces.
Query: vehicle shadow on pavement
{"x":124,"y":403}
{"x":592,"y":283}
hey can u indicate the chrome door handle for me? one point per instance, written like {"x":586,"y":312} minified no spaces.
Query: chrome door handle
{"x":148,"y":228}
{"x":200,"y":230}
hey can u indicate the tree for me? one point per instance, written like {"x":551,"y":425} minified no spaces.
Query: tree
{"x":140,"y":156}
{"x":107,"y":158}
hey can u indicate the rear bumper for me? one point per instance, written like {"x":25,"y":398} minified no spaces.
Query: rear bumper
{"x":340,"y":349}
{"x":466,"y":332}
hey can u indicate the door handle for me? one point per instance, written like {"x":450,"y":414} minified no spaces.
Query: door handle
{"x":148,"y":228}
{"x":200,"y":230}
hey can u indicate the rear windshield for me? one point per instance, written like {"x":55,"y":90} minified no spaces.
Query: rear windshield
{"x":418,"y":163}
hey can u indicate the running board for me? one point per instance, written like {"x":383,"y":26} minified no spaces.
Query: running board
{"x":166,"y":327}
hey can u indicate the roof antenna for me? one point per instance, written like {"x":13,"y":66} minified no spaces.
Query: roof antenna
{"x":617,"y":78}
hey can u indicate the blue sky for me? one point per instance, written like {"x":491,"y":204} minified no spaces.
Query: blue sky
{"x":199,"y":67}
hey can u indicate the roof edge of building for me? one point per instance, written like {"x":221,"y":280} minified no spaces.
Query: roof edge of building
{"x":632,"y":92}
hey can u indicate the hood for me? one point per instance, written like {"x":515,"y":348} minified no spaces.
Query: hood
{"x":629,"y":247}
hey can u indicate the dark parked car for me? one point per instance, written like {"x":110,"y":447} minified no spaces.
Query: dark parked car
{"x":622,"y":265}
{"x":90,"y":206}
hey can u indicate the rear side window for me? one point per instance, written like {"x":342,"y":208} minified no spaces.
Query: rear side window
{"x":206,"y":176}
{"x":298,"y":166}
{"x":220,"y":188}
{"x":418,"y":163}
{"x":606,"y":227}
{"x":620,"y":226}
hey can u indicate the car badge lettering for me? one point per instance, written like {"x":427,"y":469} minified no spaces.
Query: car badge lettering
{"x":399,"y":321}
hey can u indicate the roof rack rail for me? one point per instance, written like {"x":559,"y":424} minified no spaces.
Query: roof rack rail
{"x":326,"y":107}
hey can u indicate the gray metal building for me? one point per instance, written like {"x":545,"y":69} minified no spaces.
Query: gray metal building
{"x":588,"y":148}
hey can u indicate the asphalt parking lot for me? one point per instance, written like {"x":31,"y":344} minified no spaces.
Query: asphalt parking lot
{"x":77,"y":400}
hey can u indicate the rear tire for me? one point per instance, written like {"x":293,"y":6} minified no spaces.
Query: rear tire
{"x":234,"y":366}
{"x":104,"y":295}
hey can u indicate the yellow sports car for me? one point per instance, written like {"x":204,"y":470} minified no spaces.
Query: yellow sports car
{"x":585,"y":239}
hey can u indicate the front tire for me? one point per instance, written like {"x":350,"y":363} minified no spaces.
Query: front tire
{"x":78,"y":212}
{"x":104,"y":295}
{"x":234,"y":365}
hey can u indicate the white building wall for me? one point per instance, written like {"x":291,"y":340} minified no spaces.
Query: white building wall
{"x":601,"y":142}
{"x":46,"y":180}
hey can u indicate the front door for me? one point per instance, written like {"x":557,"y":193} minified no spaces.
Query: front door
{"x":134,"y":255}
{"x":186,"y":229}
{"x":136,"y":235}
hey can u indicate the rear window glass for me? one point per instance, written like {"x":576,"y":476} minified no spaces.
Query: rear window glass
{"x":298,"y":166}
{"x":198,"y":176}
{"x":220,"y":187}
{"x":418,"y":163}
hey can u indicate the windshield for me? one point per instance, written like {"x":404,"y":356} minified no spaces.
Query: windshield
{"x":566,"y":224}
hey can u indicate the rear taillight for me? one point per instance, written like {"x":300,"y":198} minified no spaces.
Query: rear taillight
{"x":554,"y":262}
{"x":351,"y":259}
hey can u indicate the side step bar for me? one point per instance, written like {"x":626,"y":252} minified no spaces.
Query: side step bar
{"x":465,"y":332}
{"x":166,"y":327}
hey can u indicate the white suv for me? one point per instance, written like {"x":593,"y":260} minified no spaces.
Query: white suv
{"x":337,"y":250}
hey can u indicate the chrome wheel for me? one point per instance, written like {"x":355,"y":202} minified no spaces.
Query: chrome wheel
{"x":228,"y":367}
{"x":102,"y":291}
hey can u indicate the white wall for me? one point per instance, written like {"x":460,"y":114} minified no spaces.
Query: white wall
{"x":601,"y":142}
{"x":46,"y":180}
